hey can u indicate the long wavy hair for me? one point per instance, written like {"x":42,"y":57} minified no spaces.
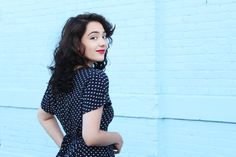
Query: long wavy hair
{"x":70,"y":51}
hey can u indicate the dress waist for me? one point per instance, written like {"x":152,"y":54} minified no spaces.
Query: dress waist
{"x":70,"y":137}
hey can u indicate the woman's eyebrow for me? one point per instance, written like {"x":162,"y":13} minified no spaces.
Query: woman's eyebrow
{"x":97,"y":32}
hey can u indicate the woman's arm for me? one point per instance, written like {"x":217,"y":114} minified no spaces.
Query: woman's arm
{"x":51,"y":126}
{"x":92,"y":134}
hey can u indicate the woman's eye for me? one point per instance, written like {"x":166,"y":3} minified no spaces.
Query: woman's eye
{"x":93,"y":38}
{"x":104,"y":37}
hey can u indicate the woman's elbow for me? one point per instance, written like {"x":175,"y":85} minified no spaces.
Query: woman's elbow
{"x":90,"y":140}
{"x":39,"y":115}
{"x":43,"y":116}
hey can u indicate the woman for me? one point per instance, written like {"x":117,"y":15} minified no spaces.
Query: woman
{"x":77,"y":93}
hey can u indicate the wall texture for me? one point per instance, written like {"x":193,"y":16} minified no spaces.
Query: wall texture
{"x":197,"y":60}
{"x":172,"y":74}
{"x":30,"y":31}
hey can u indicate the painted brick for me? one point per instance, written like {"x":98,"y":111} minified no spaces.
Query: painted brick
{"x":39,"y":31}
{"x":31,"y":31}
{"x":21,"y":135}
{"x":172,"y":74}
{"x":197,"y":58}
{"x":195,"y":138}
{"x":197,"y":78}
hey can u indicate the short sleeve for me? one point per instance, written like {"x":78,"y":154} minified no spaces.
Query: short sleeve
{"x":47,"y":101}
{"x":95,"y":93}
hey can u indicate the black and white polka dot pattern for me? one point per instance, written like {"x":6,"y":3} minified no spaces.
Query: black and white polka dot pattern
{"x":90,"y":91}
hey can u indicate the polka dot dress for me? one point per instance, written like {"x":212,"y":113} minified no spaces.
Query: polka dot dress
{"x":90,"y":91}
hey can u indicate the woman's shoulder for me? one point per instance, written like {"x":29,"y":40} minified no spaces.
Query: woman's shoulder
{"x":97,"y":74}
{"x":93,"y":74}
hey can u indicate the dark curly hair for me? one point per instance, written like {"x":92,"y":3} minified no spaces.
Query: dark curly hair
{"x":70,"y":52}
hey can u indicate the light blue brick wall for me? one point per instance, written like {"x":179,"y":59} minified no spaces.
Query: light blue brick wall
{"x":197,"y":57}
{"x":197,"y":74}
{"x":29,"y":33}
{"x":172,"y":74}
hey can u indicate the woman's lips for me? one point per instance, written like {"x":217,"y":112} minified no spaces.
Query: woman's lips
{"x":101,"y":51}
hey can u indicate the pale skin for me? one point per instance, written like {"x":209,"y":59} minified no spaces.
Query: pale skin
{"x":91,"y":132}
{"x":93,"y":39}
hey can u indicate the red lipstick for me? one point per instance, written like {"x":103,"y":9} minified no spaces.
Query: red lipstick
{"x":102,"y":51}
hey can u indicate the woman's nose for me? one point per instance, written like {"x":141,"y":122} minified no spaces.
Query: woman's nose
{"x":103,"y":42}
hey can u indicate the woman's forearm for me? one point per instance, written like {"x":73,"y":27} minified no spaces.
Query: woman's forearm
{"x":54,"y":131}
{"x":51,"y":126}
{"x":93,"y":135}
{"x":107,"y":138}
{"x":103,"y":138}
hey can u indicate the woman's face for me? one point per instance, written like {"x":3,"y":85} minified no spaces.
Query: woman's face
{"x":95,"y":42}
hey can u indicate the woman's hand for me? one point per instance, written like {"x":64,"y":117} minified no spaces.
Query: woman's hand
{"x":119,"y":144}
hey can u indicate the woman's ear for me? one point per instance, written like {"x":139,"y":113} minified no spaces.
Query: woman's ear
{"x":81,"y":49}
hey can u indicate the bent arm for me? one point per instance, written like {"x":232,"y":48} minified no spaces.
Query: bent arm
{"x":51,"y":126}
{"x":92,"y":134}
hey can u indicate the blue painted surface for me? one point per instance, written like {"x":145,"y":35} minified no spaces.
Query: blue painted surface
{"x":172,"y":74}
{"x":196,"y":64}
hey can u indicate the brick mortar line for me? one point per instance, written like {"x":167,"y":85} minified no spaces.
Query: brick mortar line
{"x":119,"y":116}
{"x":15,"y":107}
{"x":137,"y":117}
{"x":198,"y":120}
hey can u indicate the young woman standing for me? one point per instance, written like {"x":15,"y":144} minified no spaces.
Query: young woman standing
{"x":78,"y":91}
